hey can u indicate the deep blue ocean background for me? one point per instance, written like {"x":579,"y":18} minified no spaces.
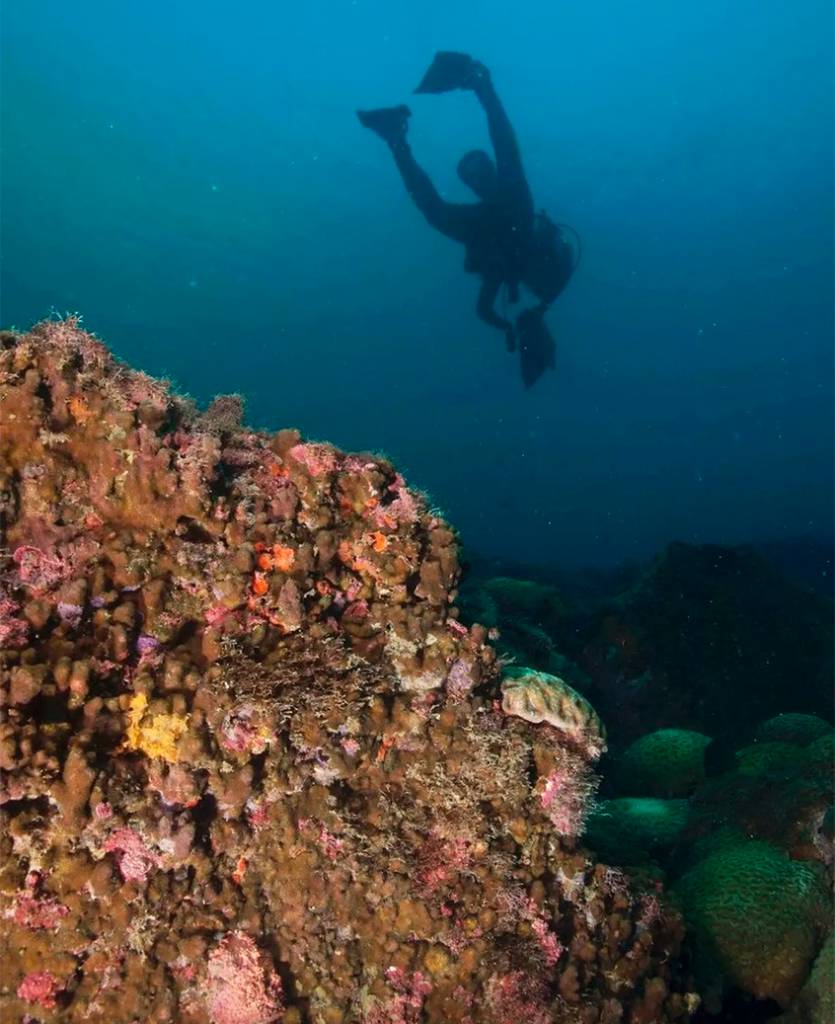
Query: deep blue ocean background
{"x":192,"y":179}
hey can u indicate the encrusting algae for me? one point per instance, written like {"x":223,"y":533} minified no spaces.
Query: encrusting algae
{"x":254,"y":766}
{"x":154,"y":735}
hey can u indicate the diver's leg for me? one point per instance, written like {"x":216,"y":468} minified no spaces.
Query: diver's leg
{"x":391,"y":124}
{"x":449,"y":218}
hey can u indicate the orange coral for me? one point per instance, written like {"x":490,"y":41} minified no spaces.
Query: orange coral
{"x":259,"y":584}
{"x":278,"y":557}
{"x":79,"y":408}
{"x":240,"y":870}
{"x":283,"y":558}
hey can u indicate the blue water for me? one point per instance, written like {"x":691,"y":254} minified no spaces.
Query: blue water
{"x":191,"y":177}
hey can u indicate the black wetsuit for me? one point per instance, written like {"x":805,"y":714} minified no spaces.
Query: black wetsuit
{"x":496,"y":232}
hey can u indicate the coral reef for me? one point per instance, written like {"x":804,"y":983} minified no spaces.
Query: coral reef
{"x":776,"y":791}
{"x":757,"y":918}
{"x":792,"y":728}
{"x":706,"y":638}
{"x":705,"y":641}
{"x":735,"y":849}
{"x":816,"y":1002}
{"x":254,"y":766}
{"x":525,"y":617}
{"x":539,"y":697}
{"x":711,"y":639}
{"x":633,"y":830}
{"x":664,"y":763}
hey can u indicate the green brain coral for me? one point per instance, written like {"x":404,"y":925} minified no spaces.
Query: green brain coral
{"x":665,"y":763}
{"x":816,"y":1003}
{"x":630,"y":830}
{"x":793,"y":728}
{"x":822,"y":751}
{"x":755,"y":919}
{"x":525,"y":599}
{"x":764,"y":758}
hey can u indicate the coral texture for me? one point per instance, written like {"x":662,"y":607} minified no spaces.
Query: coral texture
{"x":793,"y":728}
{"x":539,"y":697}
{"x":664,"y":763}
{"x":254,"y":766}
{"x":710,"y":638}
{"x":778,"y":792}
{"x":630,"y":830}
{"x":816,"y":1002}
{"x":758,"y":918}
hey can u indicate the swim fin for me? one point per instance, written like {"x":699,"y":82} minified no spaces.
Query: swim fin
{"x":537,"y":351}
{"x":448,"y":71}
{"x":390,"y":123}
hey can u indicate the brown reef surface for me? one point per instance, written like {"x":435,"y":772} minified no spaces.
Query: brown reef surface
{"x":254,"y":766}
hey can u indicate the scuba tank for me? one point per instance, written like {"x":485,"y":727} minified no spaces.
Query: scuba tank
{"x":551,"y":258}
{"x":550,"y":262}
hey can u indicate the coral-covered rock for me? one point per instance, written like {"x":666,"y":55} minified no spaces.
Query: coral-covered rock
{"x":632,"y":830}
{"x":240,"y":989}
{"x":816,"y":1002}
{"x":535,"y":603}
{"x":777,"y":792}
{"x":525,"y":617}
{"x":758,"y":759}
{"x":757,"y":919}
{"x":792,"y":728}
{"x":664,"y":763}
{"x":711,"y":639}
{"x":254,"y":767}
{"x":539,"y":697}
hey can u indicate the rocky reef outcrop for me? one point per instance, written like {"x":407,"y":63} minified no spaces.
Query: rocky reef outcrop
{"x":255,"y":768}
{"x":707,"y":638}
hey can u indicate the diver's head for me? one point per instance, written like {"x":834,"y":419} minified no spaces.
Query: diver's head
{"x":478,"y":172}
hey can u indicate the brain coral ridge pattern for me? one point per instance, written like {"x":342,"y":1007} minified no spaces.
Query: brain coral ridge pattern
{"x":254,"y":767}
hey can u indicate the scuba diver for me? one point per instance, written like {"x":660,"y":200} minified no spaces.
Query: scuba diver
{"x":506,"y":242}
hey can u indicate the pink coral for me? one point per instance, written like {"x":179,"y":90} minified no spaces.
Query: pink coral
{"x":567,"y":793}
{"x":350,"y":746}
{"x":516,"y":906}
{"x":240,"y":991}
{"x":517,"y":997}
{"x":317,"y":459}
{"x":441,"y":858}
{"x":406,"y":1006}
{"x":14,"y":631}
{"x":38,"y":569}
{"x":134,"y":858}
{"x":552,"y":949}
{"x":330,"y":845}
{"x":239,"y":733}
{"x":356,"y":612}
{"x":459,"y":681}
{"x":146,"y":644}
{"x":40,"y":987}
{"x":69,"y":613}
{"x":404,"y":508}
{"x":36,"y":912}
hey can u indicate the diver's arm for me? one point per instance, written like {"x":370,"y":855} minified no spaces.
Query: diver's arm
{"x":487,"y":314}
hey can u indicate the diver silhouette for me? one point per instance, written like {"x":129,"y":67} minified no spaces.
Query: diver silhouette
{"x":506,"y":242}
